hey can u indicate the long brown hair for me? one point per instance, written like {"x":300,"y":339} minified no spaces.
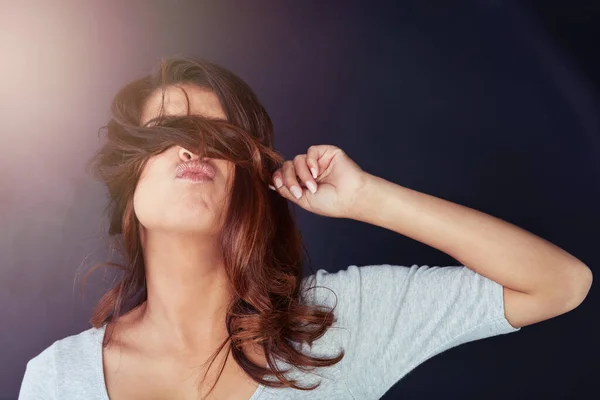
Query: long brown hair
{"x":261,"y":243}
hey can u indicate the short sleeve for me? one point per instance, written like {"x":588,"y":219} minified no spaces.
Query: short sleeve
{"x":397,"y":317}
{"x":38,"y":381}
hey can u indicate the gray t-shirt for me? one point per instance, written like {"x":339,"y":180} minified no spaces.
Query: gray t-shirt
{"x":390,"y":319}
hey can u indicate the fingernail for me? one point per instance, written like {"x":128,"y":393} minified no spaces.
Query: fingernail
{"x":272,"y":187}
{"x":311,"y":186}
{"x":313,"y":171}
{"x":296,"y":191}
{"x":278,"y":182}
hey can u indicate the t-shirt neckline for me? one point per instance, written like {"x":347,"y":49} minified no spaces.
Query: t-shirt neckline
{"x":100,"y":368}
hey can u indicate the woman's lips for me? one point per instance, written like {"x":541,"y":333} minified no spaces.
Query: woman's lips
{"x":195,"y":171}
{"x":195,"y":177}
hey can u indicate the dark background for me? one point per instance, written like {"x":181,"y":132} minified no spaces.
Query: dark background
{"x":490,"y":104}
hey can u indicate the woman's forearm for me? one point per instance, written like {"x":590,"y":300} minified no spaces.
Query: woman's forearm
{"x":494,"y":248}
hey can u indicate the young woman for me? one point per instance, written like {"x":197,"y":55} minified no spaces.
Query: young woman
{"x":212,"y":302}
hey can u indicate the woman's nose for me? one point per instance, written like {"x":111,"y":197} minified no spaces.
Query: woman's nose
{"x":187,"y":155}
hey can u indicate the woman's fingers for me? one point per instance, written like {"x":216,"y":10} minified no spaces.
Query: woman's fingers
{"x":305,"y":168}
{"x":281,"y":183}
{"x":289,"y":179}
{"x":302,"y":171}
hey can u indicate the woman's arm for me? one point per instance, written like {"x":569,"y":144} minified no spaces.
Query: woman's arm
{"x":539,"y":279}
{"x":525,"y":264}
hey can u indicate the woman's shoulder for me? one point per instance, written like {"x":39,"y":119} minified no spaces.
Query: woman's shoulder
{"x":64,"y":366}
{"x":323,"y":285}
{"x":72,"y":351}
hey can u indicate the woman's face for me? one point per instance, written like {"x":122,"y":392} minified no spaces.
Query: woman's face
{"x":164,"y":202}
